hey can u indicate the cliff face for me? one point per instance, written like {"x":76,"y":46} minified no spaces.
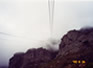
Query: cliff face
{"x":16,"y":61}
{"x":76,"y":41}
{"x":75,"y":45}
{"x":33,"y":58}
{"x":36,"y":57}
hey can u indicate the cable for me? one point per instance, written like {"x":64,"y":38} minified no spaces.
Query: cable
{"x":51,"y":14}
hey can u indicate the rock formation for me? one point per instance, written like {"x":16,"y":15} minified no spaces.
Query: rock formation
{"x":16,"y":61}
{"x":33,"y":58}
{"x":75,"y":45}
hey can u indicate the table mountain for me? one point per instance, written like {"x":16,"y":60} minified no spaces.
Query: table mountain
{"x":76,"y":45}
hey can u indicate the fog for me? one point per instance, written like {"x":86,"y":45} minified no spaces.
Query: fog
{"x":25,"y":24}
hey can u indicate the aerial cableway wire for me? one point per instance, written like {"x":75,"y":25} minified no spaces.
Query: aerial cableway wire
{"x":51,"y":4}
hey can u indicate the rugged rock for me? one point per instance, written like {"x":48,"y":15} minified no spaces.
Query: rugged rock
{"x":16,"y":61}
{"x":77,"y":41}
{"x":75,"y":45}
{"x":33,"y":58}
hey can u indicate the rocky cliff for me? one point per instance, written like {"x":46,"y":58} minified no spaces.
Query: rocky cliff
{"x":75,"y":51}
{"x":33,"y":58}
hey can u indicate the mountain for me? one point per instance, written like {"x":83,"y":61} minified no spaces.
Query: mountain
{"x":75,"y":51}
{"x":33,"y":58}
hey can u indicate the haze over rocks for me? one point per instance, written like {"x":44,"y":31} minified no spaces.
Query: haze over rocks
{"x":75,"y":41}
{"x":75,"y":45}
{"x":33,"y":58}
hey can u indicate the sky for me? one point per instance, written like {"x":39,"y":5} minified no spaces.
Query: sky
{"x":25,"y":24}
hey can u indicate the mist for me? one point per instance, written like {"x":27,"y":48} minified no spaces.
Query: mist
{"x":25,"y":24}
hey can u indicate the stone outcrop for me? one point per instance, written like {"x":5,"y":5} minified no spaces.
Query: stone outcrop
{"x":16,"y":61}
{"x":33,"y":58}
{"x":77,"y":41}
{"x":75,"y":45}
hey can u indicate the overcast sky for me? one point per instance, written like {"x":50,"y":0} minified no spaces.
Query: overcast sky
{"x":25,"y":23}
